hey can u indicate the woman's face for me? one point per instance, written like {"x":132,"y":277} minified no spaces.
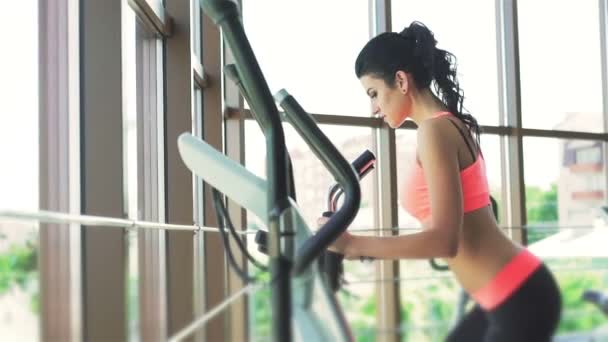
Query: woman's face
{"x":392,"y":104}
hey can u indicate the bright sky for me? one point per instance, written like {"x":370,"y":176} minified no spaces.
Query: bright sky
{"x":309,"y":48}
{"x":19,"y":99}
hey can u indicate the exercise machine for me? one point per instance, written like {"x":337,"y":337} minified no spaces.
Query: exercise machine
{"x":303,"y":305}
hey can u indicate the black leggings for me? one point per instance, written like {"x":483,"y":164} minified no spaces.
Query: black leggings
{"x":530,"y":314}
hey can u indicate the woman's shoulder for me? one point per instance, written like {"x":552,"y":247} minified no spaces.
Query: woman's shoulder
{"x":436,"y":132}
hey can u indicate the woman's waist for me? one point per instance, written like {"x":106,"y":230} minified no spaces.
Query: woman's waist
{"x":475,"y":270}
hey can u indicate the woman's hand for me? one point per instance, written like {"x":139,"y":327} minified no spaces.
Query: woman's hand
{"x":343,"y":244}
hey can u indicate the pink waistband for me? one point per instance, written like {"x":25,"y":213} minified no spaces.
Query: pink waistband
{"x":507,"y":280}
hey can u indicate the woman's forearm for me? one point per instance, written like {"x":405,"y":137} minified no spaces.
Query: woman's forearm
{"x":423,"y":245}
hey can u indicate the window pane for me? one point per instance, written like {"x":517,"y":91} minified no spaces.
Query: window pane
{"x":429,"y":301}
{"x":551,"y":65}
{"x":359,"y":301}
{"x":19,"y":281}
{"x":19,"y":132}
{"x":567,"y":223}
{"x":310,"y":49}
{"x":474,"y":47}
{"x":575,"y":276}
{"x":565,"y":192}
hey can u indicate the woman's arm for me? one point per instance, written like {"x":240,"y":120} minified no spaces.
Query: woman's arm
{"x":424,"y":245}
{"x":438,"y":156}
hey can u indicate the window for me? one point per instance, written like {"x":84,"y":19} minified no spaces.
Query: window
{"x":560,"y":66}
{"x":19,"y":276}
{"x":472,"y":39}
{"x":553,"y":190}
{"x":310,"y":50}
{"x":566,"y":225}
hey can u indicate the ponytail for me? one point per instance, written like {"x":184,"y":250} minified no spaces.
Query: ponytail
{"x":438,"y":65}
{"x":447,"y":87}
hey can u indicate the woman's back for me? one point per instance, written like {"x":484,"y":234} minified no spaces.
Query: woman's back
{"x":483,"y":249}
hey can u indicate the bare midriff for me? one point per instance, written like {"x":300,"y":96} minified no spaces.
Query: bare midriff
{"x":483,"y":251}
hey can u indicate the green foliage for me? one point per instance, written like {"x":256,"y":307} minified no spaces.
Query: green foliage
{"x":542,"y":205}
{"x":261,"y":314}
{"x":578,"y":315}
{"x":260,"y":310}
{"x":361,"y":315}
{"x":541,"y":208}
{"x":18,"y":267}
{"x":428,"y":308}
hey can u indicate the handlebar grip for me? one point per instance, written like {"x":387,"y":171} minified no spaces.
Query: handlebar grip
{"x":364,"y":162}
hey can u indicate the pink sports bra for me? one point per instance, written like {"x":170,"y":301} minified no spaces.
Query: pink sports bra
{"x":475,"y":191}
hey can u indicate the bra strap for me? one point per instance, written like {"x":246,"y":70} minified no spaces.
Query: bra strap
{"x":466,"y":141}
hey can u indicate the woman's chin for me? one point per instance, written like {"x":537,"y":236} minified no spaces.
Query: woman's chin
{"x":394,"y":124}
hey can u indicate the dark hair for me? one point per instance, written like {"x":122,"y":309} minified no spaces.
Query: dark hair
{"x":414,"y":51}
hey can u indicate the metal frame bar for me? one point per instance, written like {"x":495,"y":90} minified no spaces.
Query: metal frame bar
{"x":59,"y":178}
{"x":510,"y":101}
{"x":200,"y":78}
{"x":200,"y":322}
{"x":104,"y":221}
{"x":388,"y":312}
{"x":179,"y":182}
{"x":150,"y":146}
{"x":213,"y":134}
{"x":234,"y":148}
{"x":160,"y":24}
{"x":104,"y":255}
{"x":200,"y":286}
{"x":231,"y":113}
{"x":603,"y":18}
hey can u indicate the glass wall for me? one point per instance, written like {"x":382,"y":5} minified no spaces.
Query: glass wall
{"x":296,"y":44}
{"x":310,"y":48}
{"x":567,"y":222}
{"x":560,"y":89}
{"x":471,"y":38}
{"x":19,"y":276}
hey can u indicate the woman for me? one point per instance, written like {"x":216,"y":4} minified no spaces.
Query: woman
{"x":517,"y":297}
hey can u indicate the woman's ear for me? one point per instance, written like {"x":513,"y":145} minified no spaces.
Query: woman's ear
{"x":402,"y":81}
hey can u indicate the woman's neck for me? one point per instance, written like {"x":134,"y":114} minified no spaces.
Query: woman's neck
{"x":425,"y":105}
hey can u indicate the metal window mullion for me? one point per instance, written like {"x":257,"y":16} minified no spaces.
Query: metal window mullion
{"x":200,"y":286}
{"x":151,"y":248}
{"x":59,"y":245}
{"x":603,"y":17}
{"x":213,"y":134}
{"x":510,"y":109}
{"x":158,"y":23}
{"x":385,"y":191}
{"x":199,"y":81}
{"x":104,"y":252}
{"x":234,"y":143}
{"x":178,"y":182}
